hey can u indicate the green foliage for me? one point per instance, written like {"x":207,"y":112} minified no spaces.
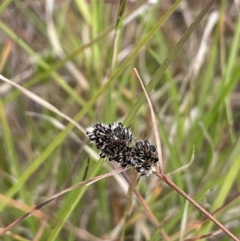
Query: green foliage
{"x":80,"y":58}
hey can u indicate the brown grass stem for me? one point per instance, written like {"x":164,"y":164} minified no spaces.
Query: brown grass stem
{"x":170,"y":183}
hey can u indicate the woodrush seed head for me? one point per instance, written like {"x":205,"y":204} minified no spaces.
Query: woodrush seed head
{"x":112,"y":140}
{"x":115,"y":142}
{"x":146,"y":156}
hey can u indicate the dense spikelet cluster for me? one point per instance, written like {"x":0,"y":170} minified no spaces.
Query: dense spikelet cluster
{"x":115,"y":143}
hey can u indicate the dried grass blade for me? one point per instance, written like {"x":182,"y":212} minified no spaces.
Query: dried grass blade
{"x":86,"y":182}
{"x":154,"y":122}
{"x":41,"y":102}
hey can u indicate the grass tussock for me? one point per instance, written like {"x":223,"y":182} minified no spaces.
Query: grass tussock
{"x":74,"y":61}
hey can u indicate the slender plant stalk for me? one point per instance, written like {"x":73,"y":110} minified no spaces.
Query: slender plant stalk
{"x":170,"y":183}
{"x":130,"y":202}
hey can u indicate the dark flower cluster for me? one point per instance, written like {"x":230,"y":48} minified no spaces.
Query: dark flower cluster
{"x":115,"y":143}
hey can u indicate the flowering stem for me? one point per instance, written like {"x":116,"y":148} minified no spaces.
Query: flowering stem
{"x":170,"y":183}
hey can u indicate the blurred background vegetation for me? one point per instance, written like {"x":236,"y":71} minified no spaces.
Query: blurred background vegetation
{"x":79,"y":56}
